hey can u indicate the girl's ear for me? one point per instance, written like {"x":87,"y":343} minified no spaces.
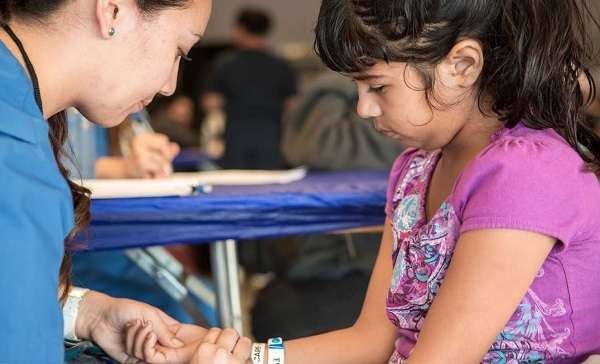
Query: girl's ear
{"x":462,"y":66}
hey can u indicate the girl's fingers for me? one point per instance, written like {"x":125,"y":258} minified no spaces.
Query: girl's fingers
{"x":222,"y":356}
{"x":130,"y":337}
{"x":140,"y":338}
{"x":212,"y":353}
{"x":228,"y":339}
{"x":242,"y":349}
{"x":150,"y":353}
{"x":205,"y":353}
{"x":212,"y":335}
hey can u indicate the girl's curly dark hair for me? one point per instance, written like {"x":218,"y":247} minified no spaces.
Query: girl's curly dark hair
{"x":535,"y":52}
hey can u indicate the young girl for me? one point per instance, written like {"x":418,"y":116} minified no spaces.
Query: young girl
{"x":491,"y":247}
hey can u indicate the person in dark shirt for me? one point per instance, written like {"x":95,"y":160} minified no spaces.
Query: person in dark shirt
{"x":253,"y":88}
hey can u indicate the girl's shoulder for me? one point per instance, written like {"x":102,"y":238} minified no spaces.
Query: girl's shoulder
{"x":528,"y":179}
{"x":538,"y":156}
{"x":512,"y":143}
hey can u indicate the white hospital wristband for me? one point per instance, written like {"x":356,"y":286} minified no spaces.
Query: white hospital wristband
{"x":70,"y":311}
{"x":275,"y":351}
{"x":258,"y":353}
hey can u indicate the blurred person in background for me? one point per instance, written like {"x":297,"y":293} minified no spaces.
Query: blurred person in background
{"x":145,"y":154}
{"x":174,"y":117}
{"x":323,"y":130}
{"x":253,"y":88}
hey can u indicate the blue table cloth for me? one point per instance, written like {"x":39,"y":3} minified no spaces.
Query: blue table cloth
{"x":321,"y":202}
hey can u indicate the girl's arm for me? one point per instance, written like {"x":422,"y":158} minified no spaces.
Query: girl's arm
{"x":370,"y":339}
{"x":489,"y":275}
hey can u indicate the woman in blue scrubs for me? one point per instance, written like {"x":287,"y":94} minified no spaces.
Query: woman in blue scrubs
{"x":108,"y":58}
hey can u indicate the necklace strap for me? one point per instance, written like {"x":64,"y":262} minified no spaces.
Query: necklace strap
{"x":28,"y":64}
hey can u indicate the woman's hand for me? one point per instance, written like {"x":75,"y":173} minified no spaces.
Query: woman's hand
{"x":102,"y":319}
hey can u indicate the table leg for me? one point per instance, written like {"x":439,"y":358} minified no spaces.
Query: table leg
{"x":225,"y":271}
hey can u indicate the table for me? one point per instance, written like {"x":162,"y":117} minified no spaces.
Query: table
{"x":322,"y":202}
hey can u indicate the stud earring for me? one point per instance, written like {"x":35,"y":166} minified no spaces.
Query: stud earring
{"x":111,"y":32}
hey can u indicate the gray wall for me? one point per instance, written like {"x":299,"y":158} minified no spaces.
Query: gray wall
{"x":294,"y":19}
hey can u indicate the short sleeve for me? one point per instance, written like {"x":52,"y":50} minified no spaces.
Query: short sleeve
{"x":396,"y":174}
{"x":538,"y":186}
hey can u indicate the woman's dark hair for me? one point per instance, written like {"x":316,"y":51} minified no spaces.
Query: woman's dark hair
{"x":58,"y":131}
{"x":535,"y":51}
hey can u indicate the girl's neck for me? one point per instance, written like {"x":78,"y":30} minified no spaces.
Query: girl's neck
{"x":471,"y":139}
{"x":48,"y":54}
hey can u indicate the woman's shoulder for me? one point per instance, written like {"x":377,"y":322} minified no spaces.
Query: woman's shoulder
{"x":20,"y":116}
{"x":15,"y":86}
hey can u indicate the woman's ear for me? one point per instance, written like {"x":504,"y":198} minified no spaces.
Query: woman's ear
{"x":462,"y":67}
{"x":109,"y":14}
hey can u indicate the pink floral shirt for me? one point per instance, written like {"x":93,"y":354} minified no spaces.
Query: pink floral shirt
{"x":527,"y":180}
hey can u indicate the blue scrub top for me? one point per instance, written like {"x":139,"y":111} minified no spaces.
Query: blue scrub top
{"x":36,"y":213}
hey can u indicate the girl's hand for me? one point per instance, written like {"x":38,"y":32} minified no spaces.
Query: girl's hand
{"x":223,"y":347}
{"x":201,"y":345}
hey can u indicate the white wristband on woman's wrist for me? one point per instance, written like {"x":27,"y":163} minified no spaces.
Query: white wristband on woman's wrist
{"x":70,"y":311}
{"x":276,"y":354}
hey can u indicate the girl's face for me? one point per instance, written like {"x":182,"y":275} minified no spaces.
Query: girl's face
{"x":393,"y":95}
{"x":141,"y":60}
